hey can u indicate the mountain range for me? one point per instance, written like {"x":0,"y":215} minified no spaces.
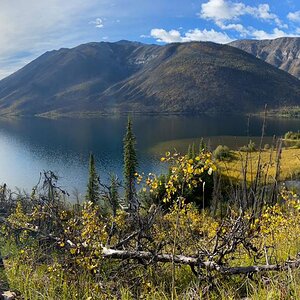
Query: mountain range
{"x":121,"y":77}
{"x":283,"y":53}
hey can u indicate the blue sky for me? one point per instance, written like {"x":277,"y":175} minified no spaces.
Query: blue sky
{"x":28,"y":28}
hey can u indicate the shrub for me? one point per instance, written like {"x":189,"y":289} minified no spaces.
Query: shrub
{"x":249,"y":148}
{"x":222,"y":153}
{"x":290,"y":135}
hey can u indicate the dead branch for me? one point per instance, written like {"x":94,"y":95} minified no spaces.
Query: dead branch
{"x":193,"y":261}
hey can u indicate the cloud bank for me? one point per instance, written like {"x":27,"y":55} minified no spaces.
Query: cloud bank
{"x":227,"y":16}
{"x":174,"y":36}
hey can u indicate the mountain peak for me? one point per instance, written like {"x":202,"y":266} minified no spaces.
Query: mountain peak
{"x":130,"y":76}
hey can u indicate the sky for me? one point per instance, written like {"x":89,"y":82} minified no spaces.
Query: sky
{"x":28,"y":28}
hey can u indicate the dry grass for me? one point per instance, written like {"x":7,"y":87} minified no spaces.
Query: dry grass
{"x":289,"y":164}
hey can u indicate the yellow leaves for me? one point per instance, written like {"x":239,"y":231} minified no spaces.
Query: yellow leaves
{"x":196,"y":229}
{"x":73,"y":250}
{"x":154,"y":185}
{"x":185,"y":172}
{"x":189,"y":169}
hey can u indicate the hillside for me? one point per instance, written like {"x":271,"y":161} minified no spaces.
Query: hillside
{"x":127,"y":76}
{"x":283,"y":53}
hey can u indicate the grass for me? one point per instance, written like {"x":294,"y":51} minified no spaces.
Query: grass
{"x":290,"y":160}
{"x":181,"y":145}
{"x":289,"y":165}
{"x":35,"y":284}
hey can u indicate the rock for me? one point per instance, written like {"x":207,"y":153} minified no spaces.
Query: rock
{"x":8,"y":295}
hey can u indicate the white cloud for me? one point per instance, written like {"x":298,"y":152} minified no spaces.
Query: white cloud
{"x":263,"y":35}
{"x":161,"y":35}
{"x":29,"y":28}
{"x":294,"y":16}
{"x":263,"y":12}
{"x":207,"y":35}
{"x":237,"y":27}
{"x":221,"y":11}
{"x":98,"y":23}
{"x":174,"y":36}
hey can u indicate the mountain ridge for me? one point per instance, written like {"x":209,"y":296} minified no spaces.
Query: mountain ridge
{"x":129,"y":76}
{"x":283,"y":53}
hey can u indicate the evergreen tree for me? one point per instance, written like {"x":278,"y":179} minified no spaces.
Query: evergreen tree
{"x":130,"y":168}
{"x":189,"y":152}
{"x":193,"y":153}
{"x":114,"y":195}
{"x":93,"y":186}
{"x":202,"y":146}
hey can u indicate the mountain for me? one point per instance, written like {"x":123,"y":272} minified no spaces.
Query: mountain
{"x":283,"y":53}
{"x":128,"y":76}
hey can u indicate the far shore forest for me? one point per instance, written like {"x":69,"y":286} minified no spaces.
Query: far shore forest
{"x":218,"y":224}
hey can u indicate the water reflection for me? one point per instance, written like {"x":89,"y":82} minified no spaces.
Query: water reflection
{"x":28,"y":146}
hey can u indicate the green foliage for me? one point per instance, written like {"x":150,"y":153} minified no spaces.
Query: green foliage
{"x":188,"y":178}
{"x":290,"y":135}
{"x":202,"y":146}
{"x":93,"y":186}
{"x":222,"y":153}
{"x":114,"y":194}
{"x":248,"y":148}
{"x":130,"y":167}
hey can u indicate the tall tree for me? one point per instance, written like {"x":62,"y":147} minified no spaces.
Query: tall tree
{"x":130,"y":168}
{"x":93,"y":186}
{"x":113,"y":194}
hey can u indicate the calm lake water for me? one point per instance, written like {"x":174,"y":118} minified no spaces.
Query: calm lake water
{"x":29,"y":146}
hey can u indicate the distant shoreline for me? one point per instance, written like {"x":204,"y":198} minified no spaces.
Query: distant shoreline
{"x":293,"y":113}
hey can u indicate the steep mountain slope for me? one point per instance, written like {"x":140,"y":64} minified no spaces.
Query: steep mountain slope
{"x":283,"y":53}
{"x":127,"y":76}
{"x":206,"y":77}
{"x":67,"y":78}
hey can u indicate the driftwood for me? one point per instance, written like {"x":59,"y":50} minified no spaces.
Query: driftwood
{"x":195,"y":262}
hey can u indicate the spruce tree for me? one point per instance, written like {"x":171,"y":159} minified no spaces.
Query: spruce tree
{"x":130,"y":168}
{"x":114,"y":195}
{"x":93,"y":186}
{"x":202,"y":146}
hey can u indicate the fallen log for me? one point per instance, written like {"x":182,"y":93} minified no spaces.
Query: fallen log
{"x":195,"y":262}
{"x":179,"y":259}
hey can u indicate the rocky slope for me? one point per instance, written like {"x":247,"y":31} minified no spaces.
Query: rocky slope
{"x":283,"y":53}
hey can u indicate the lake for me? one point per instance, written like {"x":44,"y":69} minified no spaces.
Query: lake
{"x":31,"y":145}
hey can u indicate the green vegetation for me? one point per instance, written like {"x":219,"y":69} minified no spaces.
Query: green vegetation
{"x":222,"y":153}
{"x":210,"y":228}
{"x":130,"y":168}
{"x":285,"y":112}
{"x":249,"y":148}
{"x":93,"y":186}
{"x":294,"y":136}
